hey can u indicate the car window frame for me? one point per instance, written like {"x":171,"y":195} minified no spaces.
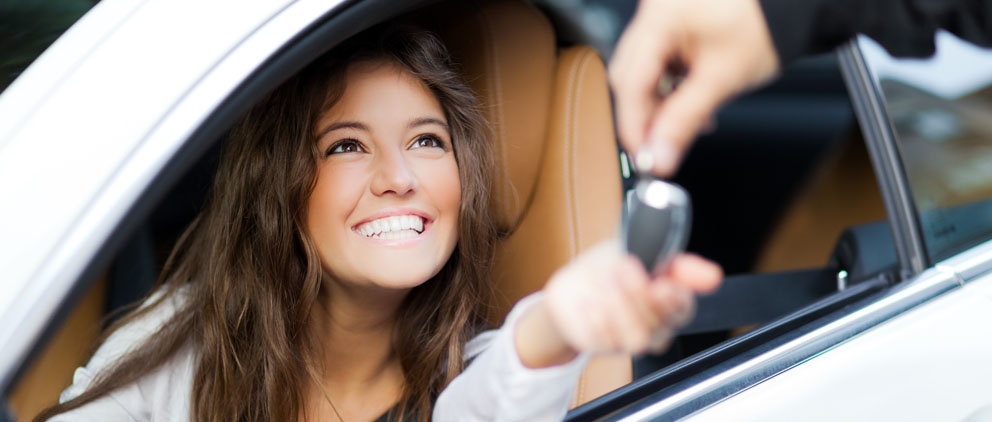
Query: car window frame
{"x":880,"y":137}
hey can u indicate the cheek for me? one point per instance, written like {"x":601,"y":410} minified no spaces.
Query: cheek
{"x":439,"y":180}
{"x":335,"y":195}
{"x":444,"y":186}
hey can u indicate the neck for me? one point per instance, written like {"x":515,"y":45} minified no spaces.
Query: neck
{"x":358,"y":325}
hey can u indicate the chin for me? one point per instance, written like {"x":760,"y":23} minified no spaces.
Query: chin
{"x":393,"y":278}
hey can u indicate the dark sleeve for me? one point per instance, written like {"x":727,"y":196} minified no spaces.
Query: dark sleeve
{"x":904,"y":27}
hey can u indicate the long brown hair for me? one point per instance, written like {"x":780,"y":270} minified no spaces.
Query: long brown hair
{"x":250,"y":277}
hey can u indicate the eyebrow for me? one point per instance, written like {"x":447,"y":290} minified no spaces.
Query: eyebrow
{"x":429,"y":121}
{"x":343,"y":125}
{"x":361,"y":126}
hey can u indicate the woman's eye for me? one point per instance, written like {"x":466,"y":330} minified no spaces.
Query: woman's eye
{"x":345,"y":146}
{"x":429,"y":141}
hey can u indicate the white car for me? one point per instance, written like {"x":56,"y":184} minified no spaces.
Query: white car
{"x":857,"y":288}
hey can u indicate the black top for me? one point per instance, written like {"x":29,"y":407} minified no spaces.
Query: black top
{"x":904,"y":27}
{"x":386,"y":417}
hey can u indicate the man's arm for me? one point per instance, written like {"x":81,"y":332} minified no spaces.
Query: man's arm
{"x":904,"y":27}
{"x":730,"y":46}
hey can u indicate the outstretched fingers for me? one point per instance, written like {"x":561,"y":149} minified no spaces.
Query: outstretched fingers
{"x":635,"y":308}
{"x":694,"y":272}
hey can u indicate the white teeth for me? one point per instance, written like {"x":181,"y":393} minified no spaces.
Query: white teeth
{"x":393,"y":227}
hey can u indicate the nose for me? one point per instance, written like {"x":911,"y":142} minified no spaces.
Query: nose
{"x":393,"y":174}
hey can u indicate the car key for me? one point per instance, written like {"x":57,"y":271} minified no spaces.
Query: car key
{"x":658,"y":223}
{"x":660,"y":216}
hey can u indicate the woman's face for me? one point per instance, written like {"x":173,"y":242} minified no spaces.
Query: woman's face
{"x":384,"y":211}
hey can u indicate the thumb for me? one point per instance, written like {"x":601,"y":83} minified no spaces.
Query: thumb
{"x":683,"y":114}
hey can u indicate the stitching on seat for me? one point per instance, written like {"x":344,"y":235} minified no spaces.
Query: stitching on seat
{"x":570,"y":192}
{"x":571,"y":127}
{"x":580,"y":393}
{"x":571,"y":122}
{"x":583,"y":65}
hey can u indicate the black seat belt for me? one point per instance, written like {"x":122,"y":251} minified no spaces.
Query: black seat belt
{"x":758,"y":298}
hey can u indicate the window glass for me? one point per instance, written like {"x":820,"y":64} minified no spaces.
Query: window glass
{"x":28,"y":27}
{"x":941,"y":112}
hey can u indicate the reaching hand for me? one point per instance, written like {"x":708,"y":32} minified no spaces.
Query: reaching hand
{"x":724,"y":45}
{"x":605,"y":302}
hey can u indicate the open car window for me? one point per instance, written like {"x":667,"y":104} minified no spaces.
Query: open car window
{"x":786,"y":198}
{"x":783,"y":191}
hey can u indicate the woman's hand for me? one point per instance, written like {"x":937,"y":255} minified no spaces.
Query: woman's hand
{"x":605,"y":302}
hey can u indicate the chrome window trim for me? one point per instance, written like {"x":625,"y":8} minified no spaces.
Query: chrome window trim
{"x":876,"y":127}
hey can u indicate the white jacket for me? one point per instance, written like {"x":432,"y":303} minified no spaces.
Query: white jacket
{"x":496,"y":386}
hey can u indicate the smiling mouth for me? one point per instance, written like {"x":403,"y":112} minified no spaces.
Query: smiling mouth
{"x":392,"y":227}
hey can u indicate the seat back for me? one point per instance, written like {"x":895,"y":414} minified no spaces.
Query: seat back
{"x":69,"y":347}
{"x":559,"y":189}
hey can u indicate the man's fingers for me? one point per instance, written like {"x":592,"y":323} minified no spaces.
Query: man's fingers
{"x":634,"y":72}
{"x":683,"y":114}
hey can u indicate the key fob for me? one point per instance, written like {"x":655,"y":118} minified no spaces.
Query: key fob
{"x":658,"y":223}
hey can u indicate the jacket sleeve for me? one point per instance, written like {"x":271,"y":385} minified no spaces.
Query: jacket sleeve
{"x":124,"y":404}
{"x":904,"y":27}
{"x":496,"y":386}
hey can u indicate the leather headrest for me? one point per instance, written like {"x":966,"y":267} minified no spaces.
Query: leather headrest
{"x":506,"y":51}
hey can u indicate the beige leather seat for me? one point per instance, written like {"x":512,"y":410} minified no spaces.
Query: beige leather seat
{"x":70,"y":347}
{"x":560,"y":191}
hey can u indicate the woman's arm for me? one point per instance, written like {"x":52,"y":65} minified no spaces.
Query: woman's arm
{"x":498,"y":386}
{"x":601,"y":302}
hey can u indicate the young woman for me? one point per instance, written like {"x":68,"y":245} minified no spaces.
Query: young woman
{"x":338,"y":271}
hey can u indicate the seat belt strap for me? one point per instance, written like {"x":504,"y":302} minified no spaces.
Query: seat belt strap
{"x":758,"y":298}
